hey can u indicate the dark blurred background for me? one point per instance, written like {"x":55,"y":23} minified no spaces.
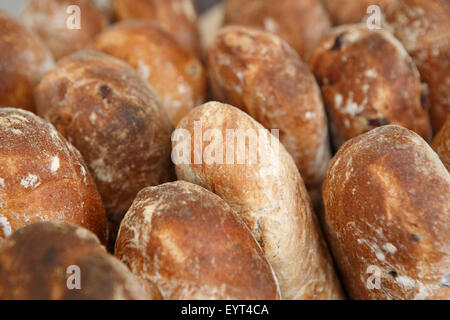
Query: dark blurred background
{"x":203,"y":5}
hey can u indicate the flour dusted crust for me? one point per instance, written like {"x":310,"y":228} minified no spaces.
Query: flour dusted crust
{"x":35,"y":259}
{"x":420,"y":24}
{"x":259,"y":73}
{"x":177,"y":76}
{"x":49,"y":18}
{"x":191,"y":245}
{"x":424,"y":29}
{"x":114,"y":118}
{"x":24,"y":59}
{"x":271,"y":197}
{"x":368,"y":80}
{"x":441,"y":143}
{"x":177,"y":17}
{"x":353,"y":11}
{"x":386,"y":198}
{"x":301,"y":23}
{"x":43,"y":177}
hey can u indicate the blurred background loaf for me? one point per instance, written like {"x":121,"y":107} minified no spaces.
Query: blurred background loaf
{"x":49,"y":19}
{"x":24,"y":59}
{"x":352,"y":11}
{"x":301,"y":23}
{"x":177,"y":76}
{"x":177,"y":17}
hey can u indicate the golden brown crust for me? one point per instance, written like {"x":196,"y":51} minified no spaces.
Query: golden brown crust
{"x":191,"y":245}
{"x":441,"y":143}
{"x":259,"y":73}
{"x":423,"y":27}
{"x":43,"y":177}
{"x":368,"y":80}
{"x":352,"y":11}
{"x":387,"y":216}
{"x":301,"y":23}
{"x":116,"y":121}
{"x":177,"y":76}
{"x":269,"y":194}
{"x":177,"y":17}
{"x":23,"y":61}
{"x":34,"y":264}
{"x":48,"y":18}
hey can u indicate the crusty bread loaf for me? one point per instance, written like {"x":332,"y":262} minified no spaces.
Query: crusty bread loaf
{"x":267,"y":191}
{"x":387,"y":217}
{"x":192,"y":245}
{"x":301,"y":23}
{"x":50,"y":19}
{"x":114,"y":118}
{"x":441,"y":143}
{"x":423,"y":26}
{"x":43,"y":177}
{"x":177,"y":17}
{"x":352,"y":11}
{"x":177,"y":76}
{"x":259,"y":73}
{"x":368,"y":80}
{"x":35,"y":265}
{"x":23,"y":61}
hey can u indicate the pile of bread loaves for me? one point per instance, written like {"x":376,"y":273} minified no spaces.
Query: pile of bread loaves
{"x":103,"y":194}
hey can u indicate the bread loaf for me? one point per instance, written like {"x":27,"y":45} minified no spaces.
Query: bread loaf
{"x":177,"y":76}
{"x":301,"y":23}
{"x":177,"y":17}
{"x":441,"y":143}
{"x":423,"y":27}
{"x":353,"y":11}
{"x":191,"y":245}
{"x":61,"y":26}
{"x":41,"y":262}
{"x":114,"y":118}
{"x":259,"y":73}
{"x":260,"y":181}
{"x":386,"y":198}
{"x":368,"y":80}
{"x":43,"y":177}
{"x":24,"y":59}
